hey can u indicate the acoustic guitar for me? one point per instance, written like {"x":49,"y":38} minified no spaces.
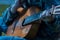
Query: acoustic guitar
{"x":27,"y":31}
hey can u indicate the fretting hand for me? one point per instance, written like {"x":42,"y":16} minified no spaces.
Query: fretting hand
{"x":56,"y":10}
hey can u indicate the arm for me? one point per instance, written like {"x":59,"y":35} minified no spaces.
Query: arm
{"x":8,"y":16}
{"x":6,"y":19}
{"x":36,"y":16}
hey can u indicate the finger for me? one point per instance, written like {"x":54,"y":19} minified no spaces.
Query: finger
{"x":56,"y":11}
{"x":44,"y":13}
{"x":57,"y":7}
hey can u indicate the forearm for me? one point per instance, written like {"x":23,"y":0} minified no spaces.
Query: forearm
{"x":3,"y":26}
{"x":8,"y":16}
{"x":6,"y":19}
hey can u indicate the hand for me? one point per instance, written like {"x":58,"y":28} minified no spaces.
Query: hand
{"x":56,"y":10}
{"x":53,"y":11}
{"x":46,"y":13}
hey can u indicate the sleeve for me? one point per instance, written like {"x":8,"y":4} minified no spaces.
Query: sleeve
{"x":11,"y":38}
{"x":7,"y":18}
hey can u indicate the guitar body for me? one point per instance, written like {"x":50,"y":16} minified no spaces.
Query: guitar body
{"x":28,"y":31}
